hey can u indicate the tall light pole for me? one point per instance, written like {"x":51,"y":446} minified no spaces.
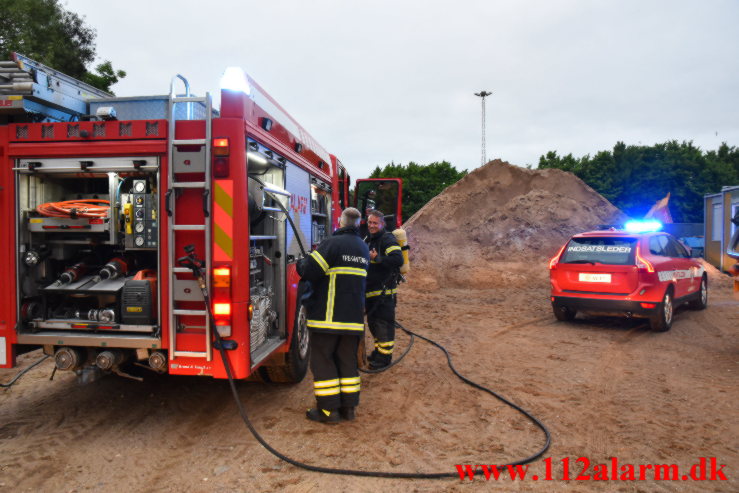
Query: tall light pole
{"x":483,"y":95}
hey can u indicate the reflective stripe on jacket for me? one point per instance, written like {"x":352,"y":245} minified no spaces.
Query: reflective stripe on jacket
{"x":337,"y":269}
{"x":388,"y":261}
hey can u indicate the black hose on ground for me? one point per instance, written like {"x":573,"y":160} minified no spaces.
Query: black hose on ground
{"x":23,"y":372}
{"x":380,"y":474}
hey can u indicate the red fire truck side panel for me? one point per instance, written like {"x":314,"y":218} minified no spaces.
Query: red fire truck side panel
{"x":7,"y":255}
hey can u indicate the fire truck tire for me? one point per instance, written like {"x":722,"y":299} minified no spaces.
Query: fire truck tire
{"x":662,"y":320}
{"x":297,"y":357}
{"x":258,"y":376}
{"x":564,"y":314}
{"x":701,"y":302}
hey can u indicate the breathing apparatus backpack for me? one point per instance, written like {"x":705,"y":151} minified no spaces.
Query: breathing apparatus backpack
{"x":402,"y":239}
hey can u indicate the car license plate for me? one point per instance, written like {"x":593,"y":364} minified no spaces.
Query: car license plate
{"x":589,"y":277}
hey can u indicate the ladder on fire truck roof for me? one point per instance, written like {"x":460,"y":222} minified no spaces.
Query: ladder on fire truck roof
{"x":176,"y":289}
{"x":31,"y":89}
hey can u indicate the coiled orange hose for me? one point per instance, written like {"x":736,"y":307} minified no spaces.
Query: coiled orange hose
{"x":75,"y":208}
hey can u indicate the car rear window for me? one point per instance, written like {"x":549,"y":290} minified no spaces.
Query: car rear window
{"x":613,"y":251}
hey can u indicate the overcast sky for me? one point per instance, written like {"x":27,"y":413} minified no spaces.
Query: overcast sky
{"x":383,"y":81}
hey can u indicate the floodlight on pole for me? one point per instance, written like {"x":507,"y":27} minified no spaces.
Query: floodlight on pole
{"x":483,"y":95}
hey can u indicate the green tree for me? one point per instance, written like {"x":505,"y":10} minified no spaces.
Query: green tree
{"x":106,"y":76}
{"x":421,"y":183}
{"x":45,"y":31}
{"x":633,"y":178}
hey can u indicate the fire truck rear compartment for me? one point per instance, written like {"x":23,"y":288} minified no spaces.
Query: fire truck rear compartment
{"x":266,"y":265}
{"x":87,"y":263}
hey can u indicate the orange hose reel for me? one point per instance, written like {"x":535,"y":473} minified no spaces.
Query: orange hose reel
{"x":95,"y":208}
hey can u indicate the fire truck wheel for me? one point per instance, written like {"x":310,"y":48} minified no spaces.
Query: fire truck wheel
{"x":662,"y":320}
{"x":296,"y":359}
{"x":701,"y":302}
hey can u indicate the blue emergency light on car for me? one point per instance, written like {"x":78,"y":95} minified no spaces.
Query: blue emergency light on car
{"x":642,"y":226}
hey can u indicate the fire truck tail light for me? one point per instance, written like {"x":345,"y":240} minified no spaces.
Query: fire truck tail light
{"x":222,"y":277}
{"x":222,"y":294}
{"x":221,"y":167}
{"x":221,"y":163}
{"x":250,"y":313}
{"x":220,"y":147}
{"x":222,"y":309}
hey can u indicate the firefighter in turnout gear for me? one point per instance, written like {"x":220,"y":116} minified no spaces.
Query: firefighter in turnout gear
{"x":386,"y":258}
{"x":337,"y":271}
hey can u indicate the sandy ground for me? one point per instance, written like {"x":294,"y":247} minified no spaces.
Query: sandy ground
{"x":604,"y":387}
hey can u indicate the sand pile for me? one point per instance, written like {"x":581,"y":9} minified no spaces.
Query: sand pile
{"x":716,"y":278}
{"x":499,"y":222}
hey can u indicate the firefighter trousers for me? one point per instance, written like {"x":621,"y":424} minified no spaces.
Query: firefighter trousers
{"x":381,"y":322}
{"x":333,"y":362}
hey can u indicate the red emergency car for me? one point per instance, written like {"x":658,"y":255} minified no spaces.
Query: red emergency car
{"x":628,"y":272}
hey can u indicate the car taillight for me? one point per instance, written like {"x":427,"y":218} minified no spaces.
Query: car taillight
{"x":221,"y":163}
{"x":554,"y":260}
{"x":643,"y":263}
{"x":648,"y":305}
{"x":222,"y":299}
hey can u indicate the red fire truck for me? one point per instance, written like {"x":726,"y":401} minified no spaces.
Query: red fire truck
{"x":99,"y":196}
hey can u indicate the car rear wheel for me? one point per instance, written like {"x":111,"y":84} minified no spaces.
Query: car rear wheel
{"x":662,"y":320}
{"x":701,"y":302}
{"x":564,"y":314}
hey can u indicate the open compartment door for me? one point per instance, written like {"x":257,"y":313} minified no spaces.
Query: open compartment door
{"x":384,"y":194}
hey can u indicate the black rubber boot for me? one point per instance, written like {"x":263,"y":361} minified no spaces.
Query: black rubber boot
{"x":372,"y":358}
{"x":347,"y":413}
{"x":380,"y":362}
{"x":323,"y":415}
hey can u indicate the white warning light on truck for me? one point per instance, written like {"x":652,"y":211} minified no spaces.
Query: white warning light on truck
{"x":234,"y":79}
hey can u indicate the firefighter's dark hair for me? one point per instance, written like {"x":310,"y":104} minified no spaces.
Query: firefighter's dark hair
{"x":376,"y":213}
